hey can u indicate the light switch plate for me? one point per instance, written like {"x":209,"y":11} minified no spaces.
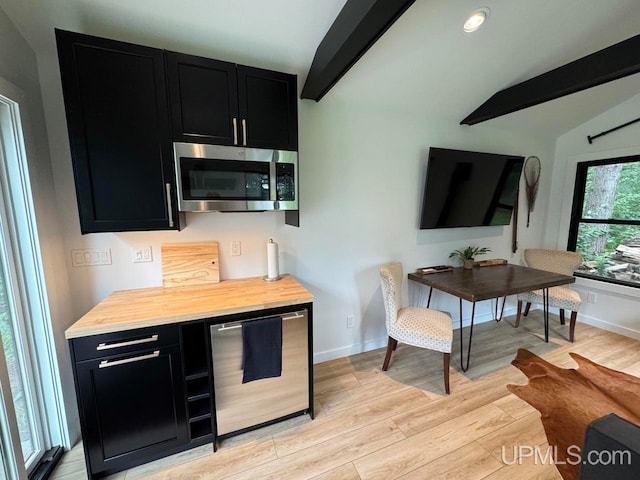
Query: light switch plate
{"x":235,"y":248}
{"x":89,"y":257}
{"x":142,"y":254}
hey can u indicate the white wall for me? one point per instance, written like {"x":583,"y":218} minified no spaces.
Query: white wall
{"x":19,"y":67}
{"x":615,"y":306}
{"x":362,"y":177}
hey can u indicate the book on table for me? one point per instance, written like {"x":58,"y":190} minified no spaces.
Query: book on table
{"x":435,"y":269}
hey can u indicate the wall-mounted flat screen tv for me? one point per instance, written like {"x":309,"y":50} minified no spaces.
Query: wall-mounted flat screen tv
{"x":469,"y":189}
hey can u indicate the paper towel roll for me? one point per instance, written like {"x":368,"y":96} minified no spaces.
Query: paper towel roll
{"x":273,"y":272}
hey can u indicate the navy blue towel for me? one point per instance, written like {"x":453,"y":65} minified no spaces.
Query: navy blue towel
{"x":262,"y":349}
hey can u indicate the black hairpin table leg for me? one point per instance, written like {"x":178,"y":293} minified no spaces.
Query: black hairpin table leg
{"x":462,"y":363}
{"x":545,"y":304}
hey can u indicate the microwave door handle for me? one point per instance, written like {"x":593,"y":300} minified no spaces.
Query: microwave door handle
{"x":273,"y":184}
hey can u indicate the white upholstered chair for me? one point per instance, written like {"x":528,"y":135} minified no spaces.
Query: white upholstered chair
{"x":563,"y":298}
{"x":420,"y":327}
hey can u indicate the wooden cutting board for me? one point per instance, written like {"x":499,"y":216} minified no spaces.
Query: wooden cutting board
{"x":190,"y":264}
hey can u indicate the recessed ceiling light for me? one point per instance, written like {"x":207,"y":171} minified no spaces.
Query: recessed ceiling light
{"x":475,"y":20}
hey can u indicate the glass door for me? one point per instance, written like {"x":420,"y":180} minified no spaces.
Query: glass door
{"x":17,"y":361}
{"x":21,"y":422}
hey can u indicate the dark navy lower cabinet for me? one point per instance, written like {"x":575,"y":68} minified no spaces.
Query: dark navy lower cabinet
{"x":132,"y":405}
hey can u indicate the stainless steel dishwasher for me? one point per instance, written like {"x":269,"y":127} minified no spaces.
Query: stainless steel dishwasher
{"x":240,"y":406}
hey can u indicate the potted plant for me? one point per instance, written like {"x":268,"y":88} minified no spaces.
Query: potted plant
{"x":467,"y":256}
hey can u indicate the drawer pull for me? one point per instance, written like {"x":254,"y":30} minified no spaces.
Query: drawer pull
{"x":107,"y":346}
{"x":113,"y":363}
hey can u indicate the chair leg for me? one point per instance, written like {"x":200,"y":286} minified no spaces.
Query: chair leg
{"x":526,"y":309}
{"x":562,"y":316}
{"x":518,"y":315}
{"x":391,"y":346}
{"x":445,"y":360}
{"x":572,"y":325}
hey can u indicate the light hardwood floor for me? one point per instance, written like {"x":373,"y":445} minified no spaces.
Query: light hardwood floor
{"x":399,"y":424}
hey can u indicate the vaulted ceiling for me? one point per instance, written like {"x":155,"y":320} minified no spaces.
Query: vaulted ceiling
{"x":423,"y":65}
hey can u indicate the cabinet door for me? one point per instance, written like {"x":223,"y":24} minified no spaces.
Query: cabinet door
{"x":132,"y":407}
{"x":117,"y":117}
{"x":268,"y":108}
{"x":203,"y":99}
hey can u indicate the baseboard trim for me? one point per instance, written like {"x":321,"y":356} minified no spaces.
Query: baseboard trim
{"x":354,"y":349}
{"x":611,"y":327}
{"x":326,"y":355}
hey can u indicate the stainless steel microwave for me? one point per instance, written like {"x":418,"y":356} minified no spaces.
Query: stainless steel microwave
{"x":235,"y":179}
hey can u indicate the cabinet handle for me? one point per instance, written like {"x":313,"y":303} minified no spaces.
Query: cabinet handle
{"x":244,"y":132}
{"x":235,"y":131}
{"x":169,"y":209}
{"x":113,"y":363}
{"x":106,"y":346}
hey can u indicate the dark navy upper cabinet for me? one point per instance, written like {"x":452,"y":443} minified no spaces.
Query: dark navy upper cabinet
{"x":203,"y":96}
{"x":227,"y":104}
{"x":268,"y":108}
{"x":117,"y":117}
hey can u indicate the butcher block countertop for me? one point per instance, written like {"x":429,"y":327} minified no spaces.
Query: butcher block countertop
{"x":148,"y":307}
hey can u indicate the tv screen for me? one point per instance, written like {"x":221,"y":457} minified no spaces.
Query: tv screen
{"x":469,"y":189}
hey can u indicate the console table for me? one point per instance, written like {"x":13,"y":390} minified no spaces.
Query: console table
{"x":485,"y":283}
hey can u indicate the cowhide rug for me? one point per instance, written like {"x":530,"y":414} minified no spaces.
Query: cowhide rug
{"x":568,"y":399}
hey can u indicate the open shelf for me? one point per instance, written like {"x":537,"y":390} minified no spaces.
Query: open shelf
{"x":198,"y":387}
{"x":194,"y":347}
{"x":200,"y":428}
{"x":199,"y":407}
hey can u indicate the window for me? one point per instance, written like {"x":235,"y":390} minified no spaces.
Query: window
{"x":605,"y":220}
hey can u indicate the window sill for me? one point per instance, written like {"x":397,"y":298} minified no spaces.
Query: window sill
{"x":607,"y":287}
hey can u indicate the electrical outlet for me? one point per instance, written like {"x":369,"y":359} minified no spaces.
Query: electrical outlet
{"x":235,"y":248}
{"x":592,"y":297}
{"x":88,"y":257}
{"x":141,"y":254}
{"x":349,"y":321}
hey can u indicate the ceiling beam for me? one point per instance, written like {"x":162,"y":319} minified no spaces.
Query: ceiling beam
{"x":611,"y":63}
{"x":356,"y":28}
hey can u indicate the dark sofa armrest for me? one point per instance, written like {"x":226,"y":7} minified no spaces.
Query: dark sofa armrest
{"x":611,"y":450}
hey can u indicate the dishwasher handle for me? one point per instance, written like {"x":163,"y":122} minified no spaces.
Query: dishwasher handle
{"x":234,"y":325}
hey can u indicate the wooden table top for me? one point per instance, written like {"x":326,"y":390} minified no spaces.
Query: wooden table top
{"x":147,"y":307}
{"x":483,"y":283}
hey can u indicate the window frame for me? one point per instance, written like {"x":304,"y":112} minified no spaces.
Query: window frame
{"x":577,"y":206}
